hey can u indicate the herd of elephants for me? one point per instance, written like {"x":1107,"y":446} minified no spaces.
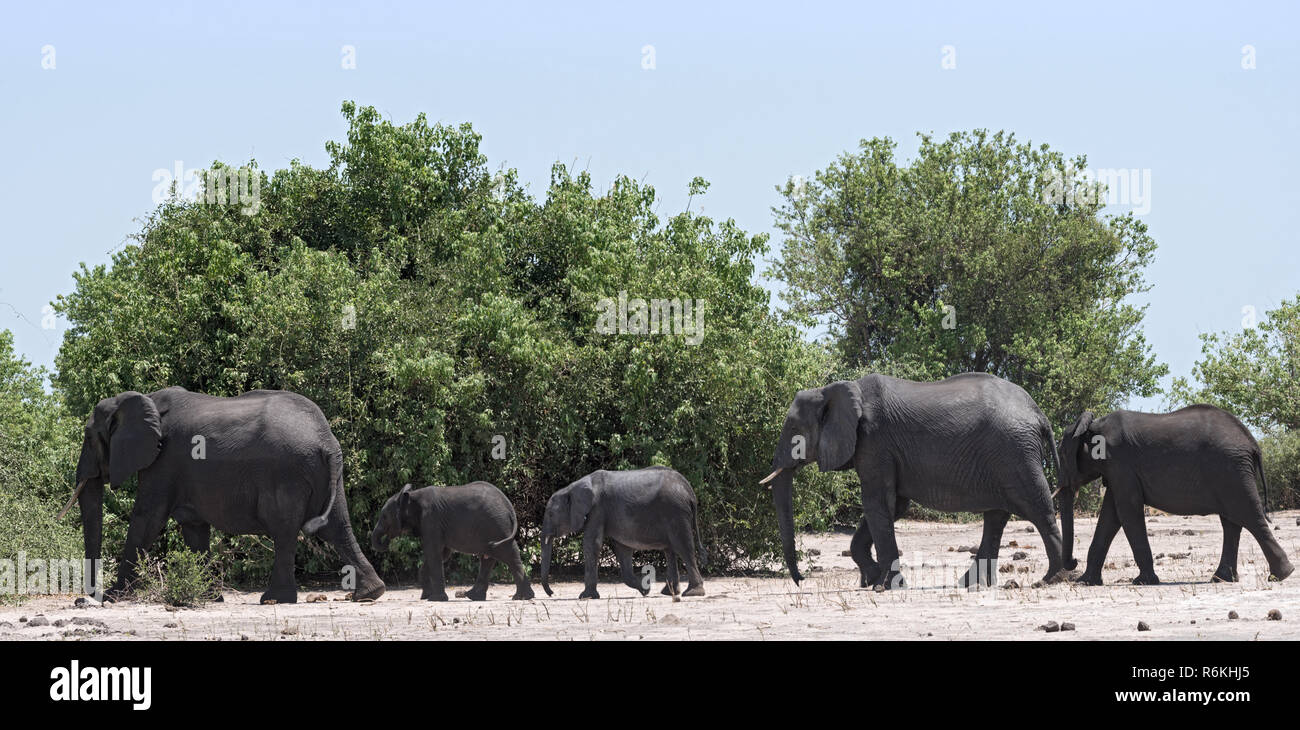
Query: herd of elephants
{"x":270,"y":466}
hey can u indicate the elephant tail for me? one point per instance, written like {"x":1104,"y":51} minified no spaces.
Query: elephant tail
{"x":513,"y":531}
{"x":336,"y":487}
{"x":699,"y":538}
{"x":1263,"y":480}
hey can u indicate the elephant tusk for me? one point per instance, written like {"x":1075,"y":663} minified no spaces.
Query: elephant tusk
{"x":771,"y":476}
{"x":75,"y":493}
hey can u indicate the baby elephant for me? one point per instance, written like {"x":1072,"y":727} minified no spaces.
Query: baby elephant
{"x":474,"y":518}
{"x":643,"y":509}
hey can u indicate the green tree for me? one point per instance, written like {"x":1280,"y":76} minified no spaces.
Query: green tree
{"x":37,"y":455}
{"x":981,"y":255}
{"x":434,"y":310}
{"x":1254,"y":373}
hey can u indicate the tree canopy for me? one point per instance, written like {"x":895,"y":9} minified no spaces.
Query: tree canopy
{"x":965,"y":261}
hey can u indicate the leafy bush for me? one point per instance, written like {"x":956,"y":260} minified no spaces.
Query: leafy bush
{"x":182,"y":578}
{"x":1282,"y":468}
{"x":37,"y":453}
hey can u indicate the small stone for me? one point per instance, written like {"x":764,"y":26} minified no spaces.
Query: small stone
{"x":243,"y":637}
{"x":170,"y":625}
{"x":1189,"y":532}
{"x":966,"y":549}
{"x":1232,"y":616}
{"x":1274,"y":615}
{"x":1028,"y":529}
{"x":1010,"y":585}
{"x":87,"y":621}
{"x":1020,"y":555}
{"x":1006,"y":568}
{"x":1142,"y":626}
{"x":316,"y":598}
{"x":22,"y":619}
{"x":38,"y":621}
{"x":1051,"y":627}
{"x":813,"y":551}
{"x":86,"y":602}
{"x":1193,"y":620}
{"x":1013,"y":543}
{"x":60,"y":623}
{"x":1067,"y":626}
{"x":846,"y":554}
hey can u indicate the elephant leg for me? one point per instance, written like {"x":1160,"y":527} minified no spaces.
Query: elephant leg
{"x":478,"y":592}
{"x":860,"y":549}
{"x":626,"y":569}
{"x":198,"y":538}
{"x":1227,"y":570}
{"x":1108,"y":525}
{"x":591,"y":542}
{"x":879,"y":505}
{"x":508,"y":553}
{"x":283,"y":588}
{"x":985,"y":567}
{"x":1279,"y":566}
{"x":146,"y":525}
{"x":434,"y":587}
{"x":672,"y":585}
{"x":683,"y":543}
{"x":1042,"y":515}
{"x":338,"y":532}
{"x":1128,"y":505}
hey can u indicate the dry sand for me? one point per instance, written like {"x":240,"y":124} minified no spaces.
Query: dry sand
{"x":829,"y":604}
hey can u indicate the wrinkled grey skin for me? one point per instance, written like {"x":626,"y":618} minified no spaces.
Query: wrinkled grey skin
{"x":475,"y":518}
{"x":272,"y":467}
{"x":1198,"y":460}
{"x":641,"y":509}
{"x":972,"y":442}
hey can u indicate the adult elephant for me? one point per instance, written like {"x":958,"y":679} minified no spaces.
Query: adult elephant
{"x":262,"y":463}
{"x":972,"y":442}
{"x":1197,"y":460}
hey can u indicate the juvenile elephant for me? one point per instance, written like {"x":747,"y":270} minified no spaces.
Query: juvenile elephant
{"x":475,"y":518}
{"x":1198,"y":460}
{"x":972,"y":442}
{"x":262,"y":463}
{"x":642,"y":509}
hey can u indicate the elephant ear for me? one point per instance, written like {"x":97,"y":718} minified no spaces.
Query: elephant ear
{"x":135,"y":436}
{"x":581,"y":498}
{"x":1070,"y":445}
{"x":403,"y":501}
{"x":841,"y":415}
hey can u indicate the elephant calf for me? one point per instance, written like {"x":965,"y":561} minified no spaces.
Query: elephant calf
{"x":1198,"y":460}
{"x":474,"y":518}
{"x":642,"y":509}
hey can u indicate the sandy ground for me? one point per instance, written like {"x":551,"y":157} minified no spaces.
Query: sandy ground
{"x":829,"y":604}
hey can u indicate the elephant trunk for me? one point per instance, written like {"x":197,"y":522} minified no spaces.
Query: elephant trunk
{"x":91,"y":500}
{"x":783,"y":499}
{"x":1067,"y":527}
{"x":546,"y":562}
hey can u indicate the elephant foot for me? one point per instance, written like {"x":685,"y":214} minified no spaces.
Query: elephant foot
{"x":694,"y":590}
{"x":1283,"y":571}
{"x":1224,"y":575}
{"x":669,"y":590}
{"x":1070,"y":563}
{"x":523,"y":594}
{"x":1060,"y":575}
{"x":1146,"y":580}
{"x":637,"y":587}
{"x":588,"y":594}
{"x":279,"y":595}
{"x":476,"y":594}
{"x":1088,"y":579}
{"x":369,"y":592}
{"x":868,"y":576}
{"x":888,"y":581}
{"x":981,"y":573}
{"x":442,"y":596}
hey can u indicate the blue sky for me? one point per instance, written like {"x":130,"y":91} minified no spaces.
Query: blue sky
{"x":745,"y":95}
